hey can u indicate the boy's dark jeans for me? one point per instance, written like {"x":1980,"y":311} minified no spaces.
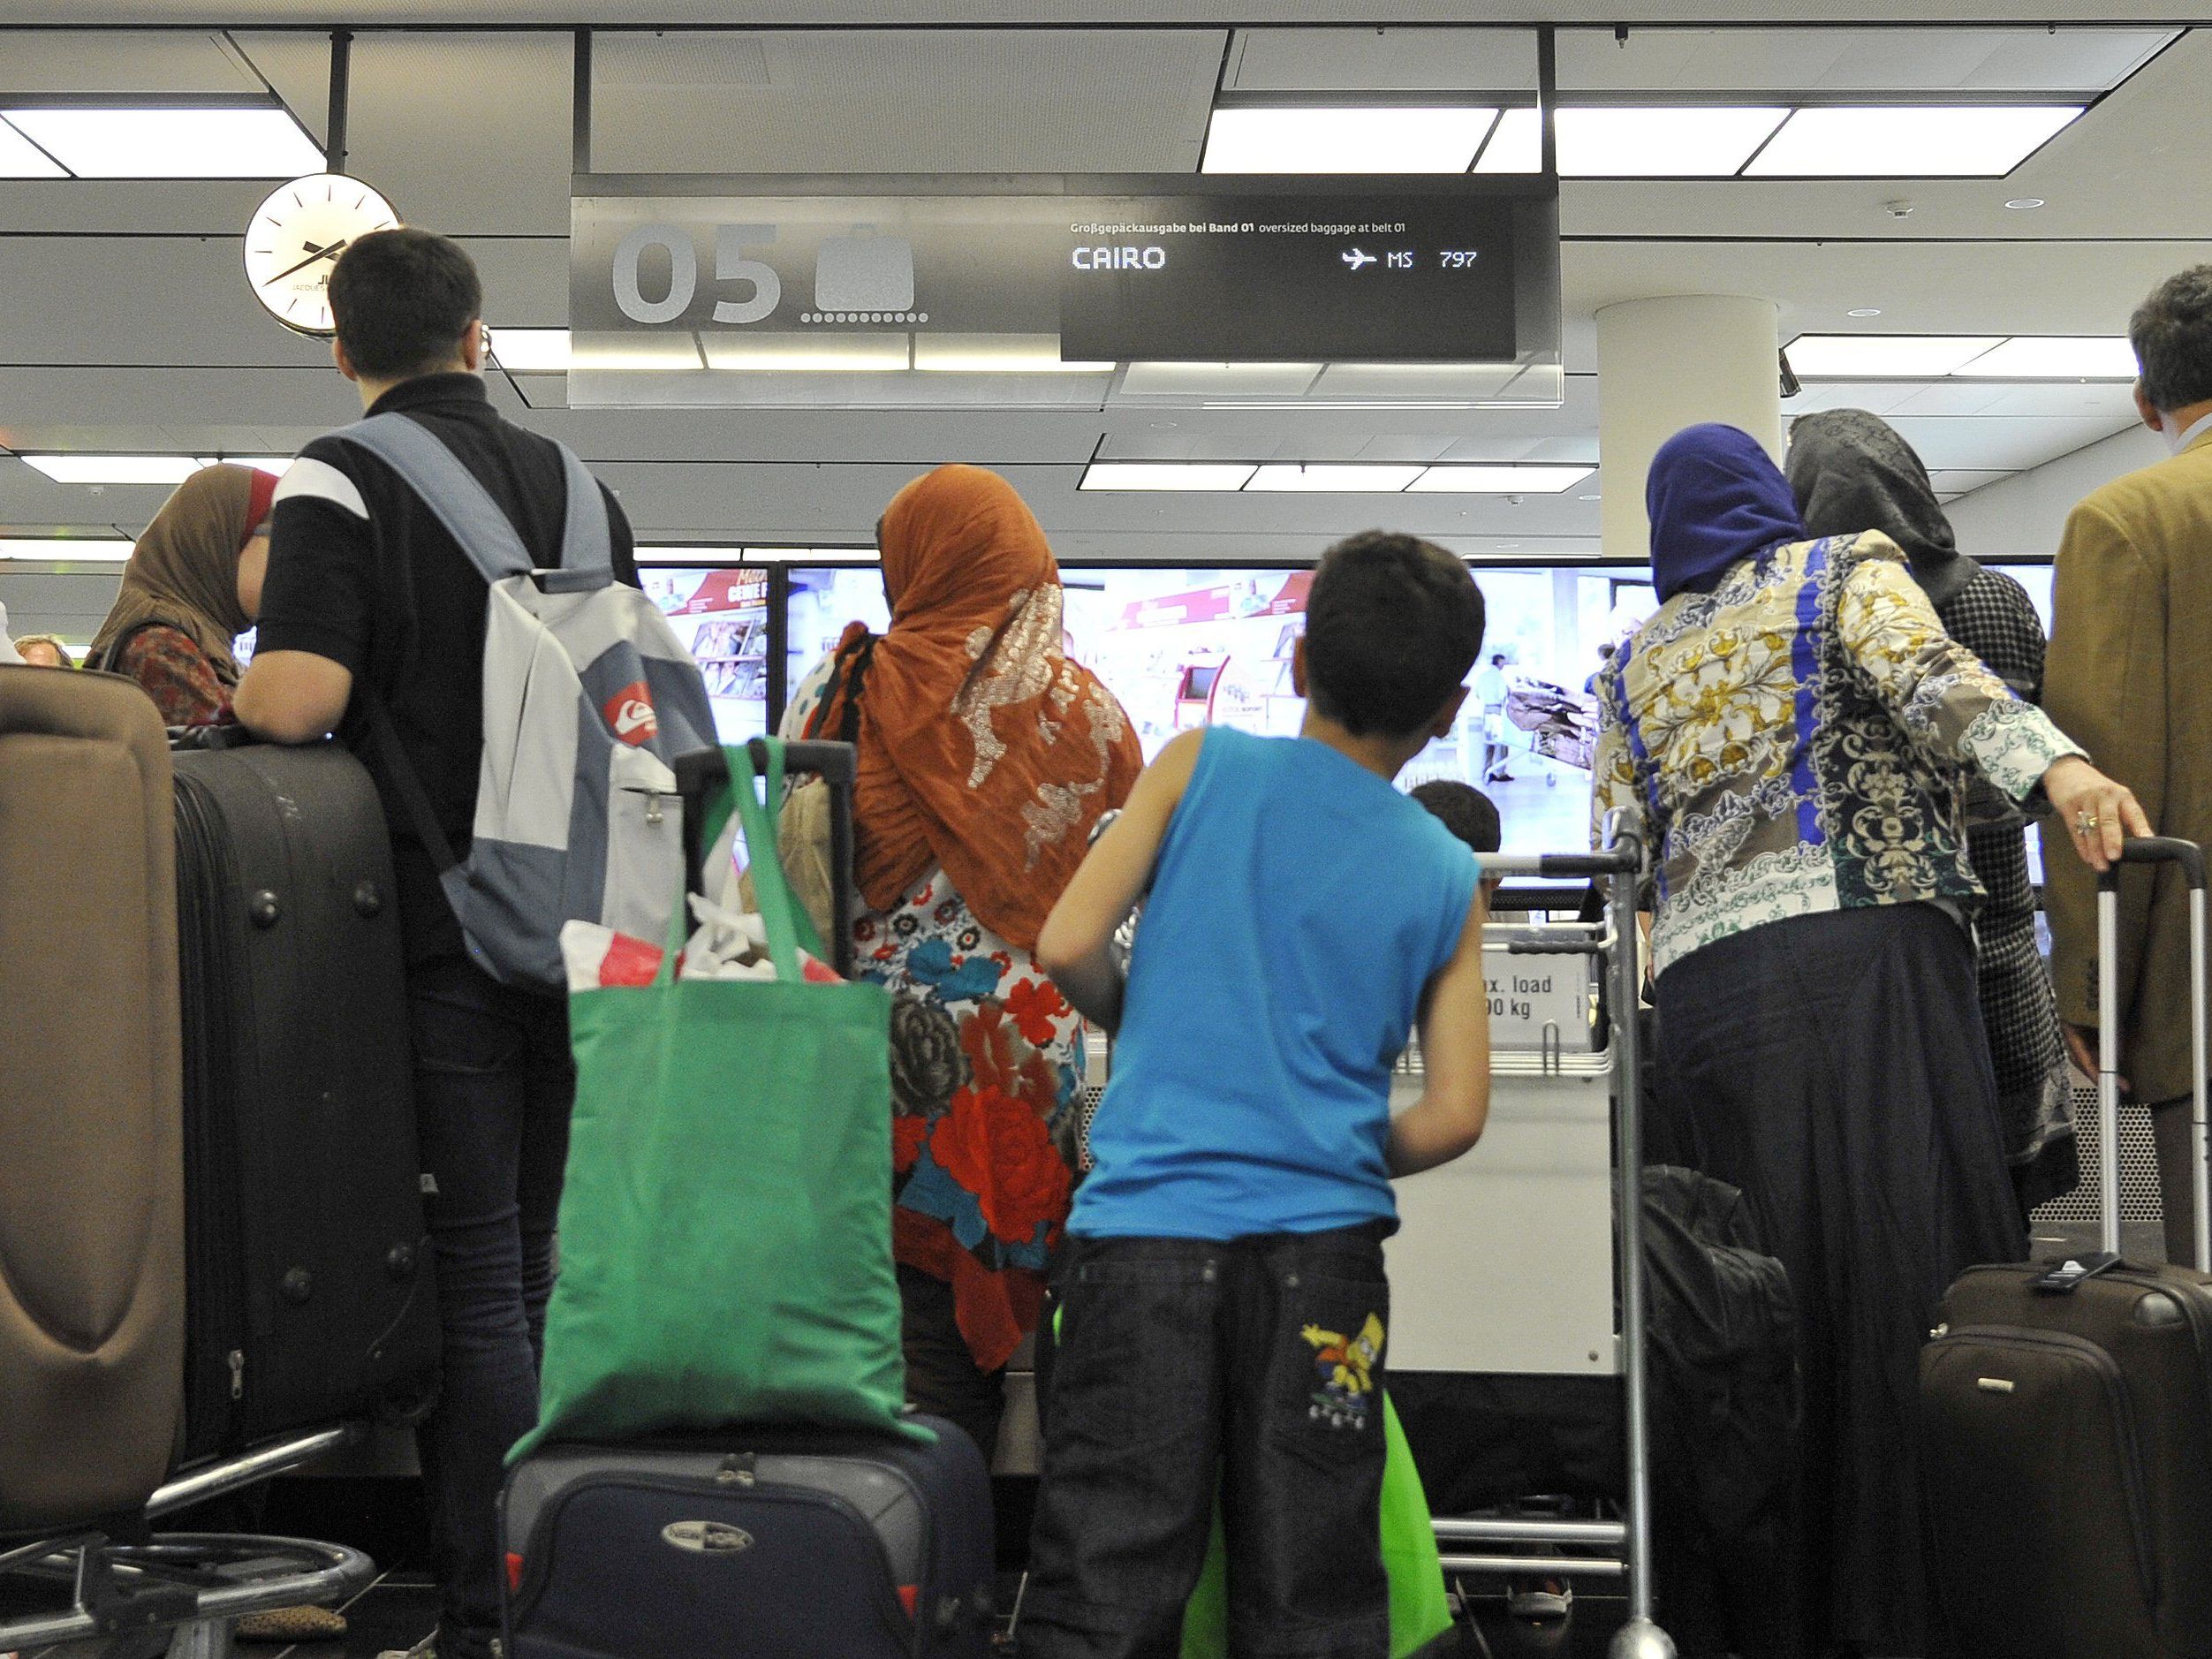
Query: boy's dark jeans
{"x":1183,"y":1365}
{"x":494,"y":1084}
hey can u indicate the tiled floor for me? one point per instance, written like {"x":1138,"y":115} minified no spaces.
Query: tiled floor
{"x":398,"y":1610}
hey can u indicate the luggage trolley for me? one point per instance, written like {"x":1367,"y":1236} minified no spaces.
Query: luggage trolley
{"x":87,"y":1585}
{"x":1560,"y":1171}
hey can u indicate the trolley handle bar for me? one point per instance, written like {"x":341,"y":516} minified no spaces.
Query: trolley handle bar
{"x":701,"y":770}
{"x":1570,"y":866}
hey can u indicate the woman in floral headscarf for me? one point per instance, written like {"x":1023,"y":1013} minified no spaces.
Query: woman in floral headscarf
{"x":986,"y":756}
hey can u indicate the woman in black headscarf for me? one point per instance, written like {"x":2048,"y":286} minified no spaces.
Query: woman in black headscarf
{"x":1850,"y":471}
{"x":1786,"y":734}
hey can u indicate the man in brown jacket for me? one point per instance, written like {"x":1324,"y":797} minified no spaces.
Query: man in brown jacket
{"x":2130,"y":678}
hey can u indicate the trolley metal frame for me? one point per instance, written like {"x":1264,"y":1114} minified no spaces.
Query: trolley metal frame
{"x":196,"y":1586}
{"x":1620,"y":865}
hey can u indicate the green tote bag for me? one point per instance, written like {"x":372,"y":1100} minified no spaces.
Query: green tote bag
{"x":725,"y":1233}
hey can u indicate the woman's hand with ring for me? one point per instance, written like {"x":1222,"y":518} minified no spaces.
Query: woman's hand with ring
{"x":2100,"y":812}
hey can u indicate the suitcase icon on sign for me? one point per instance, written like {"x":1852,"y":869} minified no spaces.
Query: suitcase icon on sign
{"x":864,"y":272}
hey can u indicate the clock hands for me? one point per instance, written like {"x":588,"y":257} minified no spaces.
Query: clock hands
{"x":314,"y":253}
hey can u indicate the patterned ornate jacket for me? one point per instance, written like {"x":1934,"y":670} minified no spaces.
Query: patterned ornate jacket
{"x":1797,"y":741}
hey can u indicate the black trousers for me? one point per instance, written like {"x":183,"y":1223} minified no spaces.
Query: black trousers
{"x":1252,"y":1369}
{"x":494,"y":1085}
{"x":942,"y":1375}
{"x":1834,"y":1068}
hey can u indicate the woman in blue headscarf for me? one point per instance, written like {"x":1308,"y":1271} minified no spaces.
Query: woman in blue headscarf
{"x":1790,"y":733}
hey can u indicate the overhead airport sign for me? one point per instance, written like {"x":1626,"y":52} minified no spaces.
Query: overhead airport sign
{"x":717,"y":291}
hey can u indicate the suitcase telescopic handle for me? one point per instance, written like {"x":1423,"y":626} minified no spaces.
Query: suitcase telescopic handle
{"x":2190,"y":857}
{"x":2158,"y":849}
{"x":838,"y":764}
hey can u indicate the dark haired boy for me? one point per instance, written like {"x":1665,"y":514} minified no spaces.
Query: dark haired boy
{"x":1224,"y":1315}
{"x":1465,"y":810}
{"x":367,"y":590}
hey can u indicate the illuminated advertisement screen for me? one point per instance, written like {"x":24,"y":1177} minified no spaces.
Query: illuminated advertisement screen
{"x":1185,"y":647}
{"x":721,"y":618}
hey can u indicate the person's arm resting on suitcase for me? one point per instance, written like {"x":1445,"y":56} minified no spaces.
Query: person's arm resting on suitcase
{"x":315,"y":603}
{"x":293,"y":696}
{"x":1077,"y":945}
{"x":1455,"y":1051}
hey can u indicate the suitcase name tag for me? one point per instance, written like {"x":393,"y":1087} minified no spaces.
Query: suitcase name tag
{"x":2068,"y":1275}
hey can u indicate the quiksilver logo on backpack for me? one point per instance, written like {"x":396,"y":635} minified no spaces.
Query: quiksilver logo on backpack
{"x":629,"y":712}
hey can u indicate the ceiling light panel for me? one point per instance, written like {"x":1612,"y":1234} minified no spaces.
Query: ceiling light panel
{"x":103,"y":141}
{"x":997,"y":355}
{"x":1366,"y":139}
{"x":715,"y":555}
{"x":1167,"y":475}
{"x":824,"y":353}
{"x":2055,"y":357}
{"x":811,"y":556}
{"x":62,"y":550}
{"x":1516,"y":146}
{"x":20,"y":158}
{"x":1909,"y":141}
{"x":1885,"y":356}
{"x":531,"y":351}
{"x":1682,"y":141}
{"x":1500,"y":479}
{"x":1360,"y":479}
{"x":115,"y":469}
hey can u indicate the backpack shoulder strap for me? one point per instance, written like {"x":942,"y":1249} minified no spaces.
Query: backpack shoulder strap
{"x":474,"y":519}
{"x":588,"y":555}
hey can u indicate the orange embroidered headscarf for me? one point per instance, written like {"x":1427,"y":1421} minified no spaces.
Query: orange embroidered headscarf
{"x":983,"y":748}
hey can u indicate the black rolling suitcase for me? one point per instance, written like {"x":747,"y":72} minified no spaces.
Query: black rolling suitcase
{"x":783,"y":1543}
{"x":309,"y":1296}
{"x":2066,"y":1416}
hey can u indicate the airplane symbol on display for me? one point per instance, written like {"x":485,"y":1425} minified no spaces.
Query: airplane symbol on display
{"x":1356,"y":259}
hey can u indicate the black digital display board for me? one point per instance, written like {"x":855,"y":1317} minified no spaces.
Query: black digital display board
{"x":684,"y":289}
{"x":1347,"y":277}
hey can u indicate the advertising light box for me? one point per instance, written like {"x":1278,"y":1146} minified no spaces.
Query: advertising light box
{"x":915,"y":290}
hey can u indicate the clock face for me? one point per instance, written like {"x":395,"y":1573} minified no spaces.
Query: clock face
{"x":298,"y":234}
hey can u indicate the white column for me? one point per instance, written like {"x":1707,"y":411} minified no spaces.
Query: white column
{"x":1669,"y":363}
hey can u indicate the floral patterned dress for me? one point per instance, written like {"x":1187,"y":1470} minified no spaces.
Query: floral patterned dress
{"x":987,"y":1069}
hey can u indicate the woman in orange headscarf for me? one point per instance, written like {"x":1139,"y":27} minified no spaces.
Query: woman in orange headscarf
{"x":986,"y":757}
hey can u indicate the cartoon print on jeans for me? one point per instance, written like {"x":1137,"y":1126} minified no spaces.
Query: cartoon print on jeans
{"x":1347,"y":1370}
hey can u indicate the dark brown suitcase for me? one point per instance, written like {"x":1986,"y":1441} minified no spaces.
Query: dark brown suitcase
{"x":92,"y":1295}
{"x":2066,"y":1416}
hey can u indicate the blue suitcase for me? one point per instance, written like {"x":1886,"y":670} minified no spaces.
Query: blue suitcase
{"x":784,"y":1543}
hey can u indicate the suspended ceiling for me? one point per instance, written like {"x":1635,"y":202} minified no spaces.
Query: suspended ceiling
{"x":128,"y":326}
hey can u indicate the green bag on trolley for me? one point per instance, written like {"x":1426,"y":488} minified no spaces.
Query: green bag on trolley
{"x":1419,"y":1613}
{"x":725,"y":1233}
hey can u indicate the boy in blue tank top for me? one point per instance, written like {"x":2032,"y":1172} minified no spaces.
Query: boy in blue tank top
{"x":1225,"y":1316}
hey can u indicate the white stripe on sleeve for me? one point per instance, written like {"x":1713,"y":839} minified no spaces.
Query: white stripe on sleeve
{"x":322,"y":482}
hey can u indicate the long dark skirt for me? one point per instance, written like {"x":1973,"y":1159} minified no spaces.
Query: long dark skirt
{"x":1834,"y":1068}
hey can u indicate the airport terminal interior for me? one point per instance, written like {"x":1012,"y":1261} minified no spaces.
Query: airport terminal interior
{"x":1211,"y":287}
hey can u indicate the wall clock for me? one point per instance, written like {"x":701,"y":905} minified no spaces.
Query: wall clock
{"x":296,"y":235}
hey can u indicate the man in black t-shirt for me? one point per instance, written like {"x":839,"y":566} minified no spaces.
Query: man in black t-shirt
{"x":370,"y":600}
